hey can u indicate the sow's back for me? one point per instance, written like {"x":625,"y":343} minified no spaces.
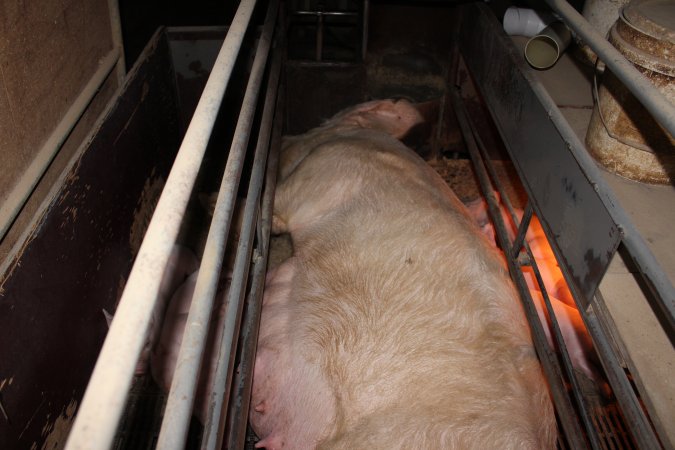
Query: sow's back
{"x":394,"y":323}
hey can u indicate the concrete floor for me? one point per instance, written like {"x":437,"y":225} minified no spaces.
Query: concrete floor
{"x":647,"y":350}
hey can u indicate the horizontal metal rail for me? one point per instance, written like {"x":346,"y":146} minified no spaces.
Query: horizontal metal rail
{"x":241,"y":390}
{"x":178,"y":409}
{"x":107,"y":392}
{"x":326,"y":13}
{"x":215,"y":422}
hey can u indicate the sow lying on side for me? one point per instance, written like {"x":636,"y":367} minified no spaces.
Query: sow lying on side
{"x":394,"y":324}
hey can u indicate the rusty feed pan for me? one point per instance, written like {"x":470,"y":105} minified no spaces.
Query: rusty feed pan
{"x":622,"y":135}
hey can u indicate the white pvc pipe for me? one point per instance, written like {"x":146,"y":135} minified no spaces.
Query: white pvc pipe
{"x":525,"y":22}
{"x":105,"y":398}
{"x":543,"y":50}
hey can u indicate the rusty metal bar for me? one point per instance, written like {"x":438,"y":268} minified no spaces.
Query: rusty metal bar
{"x":239,"y":406}
{"x":220,"y":394}
{"x":524,"y":222}
{"x":631,"y":409}
{"x":549,"y":362}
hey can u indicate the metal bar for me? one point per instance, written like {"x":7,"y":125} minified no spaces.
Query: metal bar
{"x":586,"y":417}
{"x":23,"y":189}
{"x":215,"y":422}
{"x":536,"y":106}
{"x":524,"y":223}
{"x":552,"y":319}
{"x":636,"y":421}
{"x":655,"y":102}
{"x":108,"y":388}
{"x":178,"y":411}
{"x":618,"y":380}
{"x":532,"y":262}
{"x":364,"y":41}
{"x":319,"y":36}
{"x":238,"y":413}
{"x":326,"y":13}
{"x":116,"y":31}
{"x":550,"y":364}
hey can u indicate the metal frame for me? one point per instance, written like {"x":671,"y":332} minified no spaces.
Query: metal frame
{"x":105,"y":397}
{"x":577,"y":190}
{"x":320,"y":14}
{"x":550,"y":364}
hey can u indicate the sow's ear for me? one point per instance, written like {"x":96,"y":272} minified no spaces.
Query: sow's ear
{"x":396,"y":118}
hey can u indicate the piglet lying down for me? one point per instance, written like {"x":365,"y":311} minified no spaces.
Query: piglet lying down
{"x":394,"y":324}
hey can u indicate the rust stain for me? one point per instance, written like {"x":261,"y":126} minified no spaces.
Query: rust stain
{"x":622,"y":135}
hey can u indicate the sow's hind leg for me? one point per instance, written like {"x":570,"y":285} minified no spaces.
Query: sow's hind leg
{"x":291,"y":405}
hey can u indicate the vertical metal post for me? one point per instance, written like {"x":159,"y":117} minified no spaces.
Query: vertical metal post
{"x":319,"y":35}
{"x":364,"y":39}
{"x":118,"y":43}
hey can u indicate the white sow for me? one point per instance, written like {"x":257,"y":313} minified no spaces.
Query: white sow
{"x":394,"y":324}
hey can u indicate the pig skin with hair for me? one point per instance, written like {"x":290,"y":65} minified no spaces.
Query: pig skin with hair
{"x":394,"y":324}
{"x":164,"y":356}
